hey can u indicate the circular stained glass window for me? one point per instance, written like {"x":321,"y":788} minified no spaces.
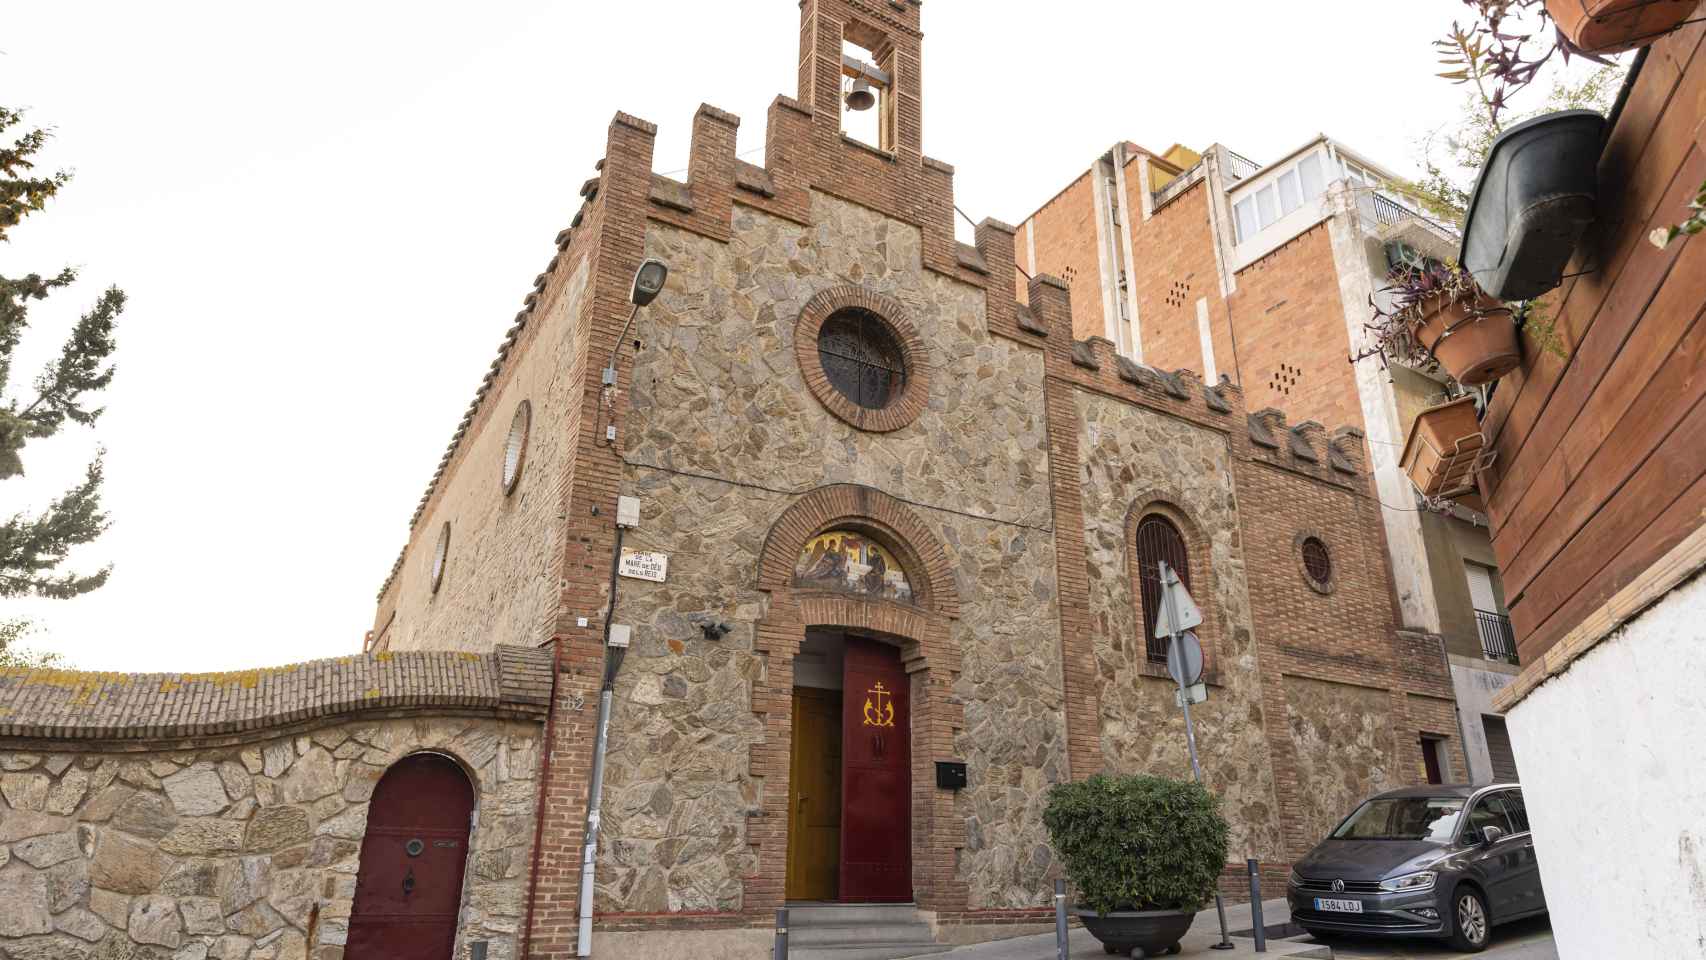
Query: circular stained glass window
{"x":862,"y":358}
{"x":515,"y":445}
{"x":1317,"y":562}
{"x":439,"y":554}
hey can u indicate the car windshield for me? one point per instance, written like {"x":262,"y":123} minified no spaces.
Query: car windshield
{"x":1403,"y":818}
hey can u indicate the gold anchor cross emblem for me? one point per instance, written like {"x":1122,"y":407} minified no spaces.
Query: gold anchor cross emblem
{"x":879,"y":707}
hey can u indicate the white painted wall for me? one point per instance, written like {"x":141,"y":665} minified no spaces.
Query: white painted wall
{"x":1613,"y":759}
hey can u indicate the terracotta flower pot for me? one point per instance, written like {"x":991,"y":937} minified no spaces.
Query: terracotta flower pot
{"x":1612,"y":26}
{"x":1445,"y":449}
{"x":1476,"y":343}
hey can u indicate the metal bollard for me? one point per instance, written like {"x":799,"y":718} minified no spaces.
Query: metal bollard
{"x":782,"y":934}
{"x":1060,"y":947}
{"x":1256,"y":906}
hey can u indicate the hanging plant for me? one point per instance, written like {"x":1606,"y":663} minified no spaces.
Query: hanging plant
{"x":1503,"y":48}
{"x":1695,"y":223}
{"x":1435,"y":316}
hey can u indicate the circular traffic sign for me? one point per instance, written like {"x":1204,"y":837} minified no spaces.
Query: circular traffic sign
{"x":1184,"y":658}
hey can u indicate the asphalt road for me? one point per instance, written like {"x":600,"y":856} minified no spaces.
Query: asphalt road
{"x":1529,"y":939}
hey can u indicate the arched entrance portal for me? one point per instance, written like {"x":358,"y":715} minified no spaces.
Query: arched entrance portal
{"x":863,"y":598}
{"x":408,"y":892}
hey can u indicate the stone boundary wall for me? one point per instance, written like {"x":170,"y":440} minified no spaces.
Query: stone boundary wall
{"x":221,"y":816}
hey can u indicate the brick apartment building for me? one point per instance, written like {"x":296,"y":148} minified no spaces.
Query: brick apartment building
{"x":1262,"y":274}
{"x":909,"y":518}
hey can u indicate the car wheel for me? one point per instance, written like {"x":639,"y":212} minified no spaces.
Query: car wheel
{"x":1471,"y":925}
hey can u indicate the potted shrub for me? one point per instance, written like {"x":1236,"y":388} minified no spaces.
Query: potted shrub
{"x":1143,"y":853}
{"x":1436,"y":315}
{"x":1613,"y":26}
{"x":1445,"y":450}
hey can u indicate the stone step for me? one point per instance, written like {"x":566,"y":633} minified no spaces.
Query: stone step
{"x":850,"y":914}
{"x":884,"y":951}
{"x":836,"y":935}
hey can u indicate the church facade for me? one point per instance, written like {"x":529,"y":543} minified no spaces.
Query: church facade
{"x":893,"y":519}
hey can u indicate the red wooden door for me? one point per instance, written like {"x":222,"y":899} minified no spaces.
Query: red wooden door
{"x":408,"y":890}
{"x":876,"y":775}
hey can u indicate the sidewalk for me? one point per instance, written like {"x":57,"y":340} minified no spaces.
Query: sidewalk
{"x":1204,"y":932}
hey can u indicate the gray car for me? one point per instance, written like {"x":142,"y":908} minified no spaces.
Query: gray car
{"x":1412,"y":863}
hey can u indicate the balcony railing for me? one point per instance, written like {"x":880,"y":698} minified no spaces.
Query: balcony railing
{"x":1242,"y":166}
{"x":1498,"y":641}
{"x":1387,"y":212}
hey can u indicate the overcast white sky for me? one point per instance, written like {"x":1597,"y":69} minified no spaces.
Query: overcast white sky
{"x":326,"y":215}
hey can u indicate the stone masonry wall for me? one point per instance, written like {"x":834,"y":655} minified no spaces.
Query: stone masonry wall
{"x":1345,"y":752}
{"x":1134,"y":456}
{"x":118,"y":843}
{"x":723,"y":435}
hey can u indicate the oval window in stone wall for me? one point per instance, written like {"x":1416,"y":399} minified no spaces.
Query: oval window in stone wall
{"x":862,"y":357}
{"x":515,"y":446}
{"x":1317,"y":563}
{"x":440,"y":553}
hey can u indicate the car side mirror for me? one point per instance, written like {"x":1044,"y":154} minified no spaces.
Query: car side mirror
{"x":1491,"y":835}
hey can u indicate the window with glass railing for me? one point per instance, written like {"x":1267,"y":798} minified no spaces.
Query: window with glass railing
{"x":1295,"y":185}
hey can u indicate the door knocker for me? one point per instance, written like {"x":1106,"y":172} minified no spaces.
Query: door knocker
{"x":409,"y":882}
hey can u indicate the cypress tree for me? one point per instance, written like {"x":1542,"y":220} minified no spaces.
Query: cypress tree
{"x":33,"y":546}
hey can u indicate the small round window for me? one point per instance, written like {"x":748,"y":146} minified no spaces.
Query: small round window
{"x":1317,"y":563}
{"x":439,"y":554}
{"x":862,"y":358}
{"x":515,"y":446}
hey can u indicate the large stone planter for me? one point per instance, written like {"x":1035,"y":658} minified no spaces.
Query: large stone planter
{"x":1137,"y":933}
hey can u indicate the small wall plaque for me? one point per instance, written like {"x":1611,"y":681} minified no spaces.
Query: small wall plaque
{"x":951,"y":774}
{"x":639,"y":565}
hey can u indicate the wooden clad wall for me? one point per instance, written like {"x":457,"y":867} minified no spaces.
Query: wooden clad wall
{"x":1601,"y":456}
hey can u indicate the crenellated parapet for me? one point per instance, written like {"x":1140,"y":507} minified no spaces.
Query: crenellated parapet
{"x":1098,"y":365}
{"x":1307,"y":447}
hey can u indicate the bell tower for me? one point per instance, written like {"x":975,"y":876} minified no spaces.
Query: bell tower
{"x":869,"y":48}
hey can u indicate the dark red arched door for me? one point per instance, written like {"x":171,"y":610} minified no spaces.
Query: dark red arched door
{"x":409,"y":889}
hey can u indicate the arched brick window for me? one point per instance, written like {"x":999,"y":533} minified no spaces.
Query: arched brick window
{"x":1158,"y":539}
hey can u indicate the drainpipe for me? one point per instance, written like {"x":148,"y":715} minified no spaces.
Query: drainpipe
{"x":539,"y":809}
{"x":648,"y":283}
{"x":595,"y":799}
{"x":1456,"y":711}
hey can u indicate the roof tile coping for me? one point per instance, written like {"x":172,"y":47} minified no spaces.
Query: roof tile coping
{"x":87,"y":705}
{"x":561,"y":241}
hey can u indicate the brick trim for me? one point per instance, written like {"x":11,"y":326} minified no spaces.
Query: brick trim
{"x":1323,"y":587}
{"x":869,"y":510}
{"x":924,"y":633}
{"x":1204,"y":582}
{"x":914,"y":396}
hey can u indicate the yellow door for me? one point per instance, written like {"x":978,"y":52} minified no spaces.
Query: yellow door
{"x":814,"y":796}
